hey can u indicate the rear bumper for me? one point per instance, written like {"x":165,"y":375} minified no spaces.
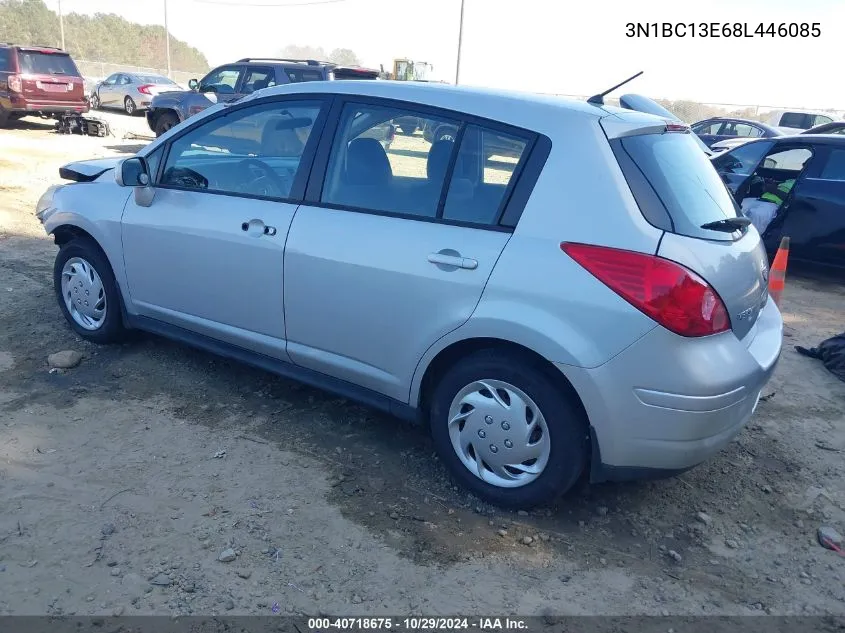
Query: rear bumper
{"x":46,"y":107}
{"x":667,"y":403}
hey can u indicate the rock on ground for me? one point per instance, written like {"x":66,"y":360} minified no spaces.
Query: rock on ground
{"x":66,"y":359}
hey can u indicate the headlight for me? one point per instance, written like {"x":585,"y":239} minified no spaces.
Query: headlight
{"x":46,"y":200}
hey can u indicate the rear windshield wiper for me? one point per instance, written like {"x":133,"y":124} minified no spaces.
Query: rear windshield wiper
{"x":728,"y":225}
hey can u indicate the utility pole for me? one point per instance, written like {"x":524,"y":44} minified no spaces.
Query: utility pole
{"x":460,"y":43}
{"x":62,"y":24}
{"x":167,"y":39}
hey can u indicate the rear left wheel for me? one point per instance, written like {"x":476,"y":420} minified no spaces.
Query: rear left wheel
{"x":507,"y":431}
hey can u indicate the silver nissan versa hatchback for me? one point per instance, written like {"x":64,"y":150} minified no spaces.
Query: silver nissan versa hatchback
{"x":556,"y":288}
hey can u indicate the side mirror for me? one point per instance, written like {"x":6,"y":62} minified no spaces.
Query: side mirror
{"x":193,"y":84}
{"x":133,"y":172}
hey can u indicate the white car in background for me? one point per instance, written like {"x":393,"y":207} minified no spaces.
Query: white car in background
{"x":796,"y":121}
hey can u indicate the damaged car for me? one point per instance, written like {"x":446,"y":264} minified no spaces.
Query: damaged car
{"x":792,"y":186}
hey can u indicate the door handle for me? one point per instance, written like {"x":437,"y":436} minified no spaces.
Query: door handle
{"x":453,"y":260}
{"x":258,"y":227}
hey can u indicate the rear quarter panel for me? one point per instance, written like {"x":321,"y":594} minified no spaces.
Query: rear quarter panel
{"x":537,"y":296}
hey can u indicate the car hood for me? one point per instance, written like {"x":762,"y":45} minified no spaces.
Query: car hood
{"x":87,"y":170}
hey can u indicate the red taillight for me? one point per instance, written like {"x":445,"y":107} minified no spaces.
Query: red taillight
{"x":145,"y":89}
{"x":672,"y":295}
{"x":677,"y":127}
{"x":15,"y":83}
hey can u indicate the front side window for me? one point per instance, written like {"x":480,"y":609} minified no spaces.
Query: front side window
{"x":822,"y":119}
{"x":484,"y":169}
{"x":835,"y":167}
{"x":789,"y":160}
{"x":743,"y":159}
{"x":711,"y":128}
{"x":223,"y":80}
{"x":371,"y":168}
{"x":112,"y":80}
{"x":253,"y":151}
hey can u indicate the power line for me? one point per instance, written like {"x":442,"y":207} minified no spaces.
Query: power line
{"x":280,"y":5}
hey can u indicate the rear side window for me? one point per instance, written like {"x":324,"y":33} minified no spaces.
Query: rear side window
{"x":835,"y":167}
{"x":476,"y":195}
{"x":679,"y":178}
{"x":5,"y":60}
{"x":297,"y":75}
{"x":47,"y":64}
{"x":797,"y":120}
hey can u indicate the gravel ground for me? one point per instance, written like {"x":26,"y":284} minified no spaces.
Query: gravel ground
{"x":153,"y":478}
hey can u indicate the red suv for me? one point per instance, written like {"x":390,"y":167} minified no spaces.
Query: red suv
{"x":38,"y":80}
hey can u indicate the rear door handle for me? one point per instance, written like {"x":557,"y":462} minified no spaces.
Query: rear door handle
{"x":453,"y":260}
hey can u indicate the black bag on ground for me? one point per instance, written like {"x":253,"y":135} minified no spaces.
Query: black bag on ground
{"x":831,"y":352}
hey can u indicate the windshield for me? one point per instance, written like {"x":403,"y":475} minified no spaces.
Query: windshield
{"x":684,"y":180}
{"x":37,"y":63}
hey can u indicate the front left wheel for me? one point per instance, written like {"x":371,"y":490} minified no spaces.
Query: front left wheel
{"x":506,"y":429}
{"x":87,"y":292}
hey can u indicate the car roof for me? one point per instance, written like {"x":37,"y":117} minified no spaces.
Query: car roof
{"x":530,"y":110}
{"x":820,"y":129}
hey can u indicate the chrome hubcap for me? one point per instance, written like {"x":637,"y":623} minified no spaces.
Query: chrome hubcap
{"x":83,"y":292}
{"x":499,"y":433}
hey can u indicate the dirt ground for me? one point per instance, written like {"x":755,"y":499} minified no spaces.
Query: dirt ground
{"x":123,"y":480}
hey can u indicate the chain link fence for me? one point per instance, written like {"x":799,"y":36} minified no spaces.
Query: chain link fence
{"x":97,"y":71}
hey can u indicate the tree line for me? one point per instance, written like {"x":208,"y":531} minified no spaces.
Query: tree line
{"x":104,"y":37}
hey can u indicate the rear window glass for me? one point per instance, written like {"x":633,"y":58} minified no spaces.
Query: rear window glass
{"x":47,"y":64}
{"x":154,"y":79}
{"x":797,"y":120}
{"x":296,"y":75}
{"x":683,"y":180}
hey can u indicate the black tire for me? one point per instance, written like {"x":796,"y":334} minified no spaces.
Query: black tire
{"x":112,"y":329}
{"x":129,"y":106}
{"x":566,"y":423}
{"x":164,"y":122}
{"x":94,"y":101}
{"x":5,"y":118}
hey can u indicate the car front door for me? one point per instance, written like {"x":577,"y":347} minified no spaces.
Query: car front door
{"x":392,"y":248}
{"x":737,"y":165}
{"x":815,"y":217}
{"x":206,"y":254}
{"x":106,"y":90}
{"x":222,"y":84}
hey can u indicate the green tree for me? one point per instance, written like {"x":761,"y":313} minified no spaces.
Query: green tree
{"x":102,"y":37}
{"x":344,"y":57}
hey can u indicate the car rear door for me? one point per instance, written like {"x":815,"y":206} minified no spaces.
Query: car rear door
{"x":814,"y":219}
{"x":392,"y":249}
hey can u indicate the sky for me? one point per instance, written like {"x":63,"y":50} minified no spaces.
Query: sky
{"x":567,"y":47}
